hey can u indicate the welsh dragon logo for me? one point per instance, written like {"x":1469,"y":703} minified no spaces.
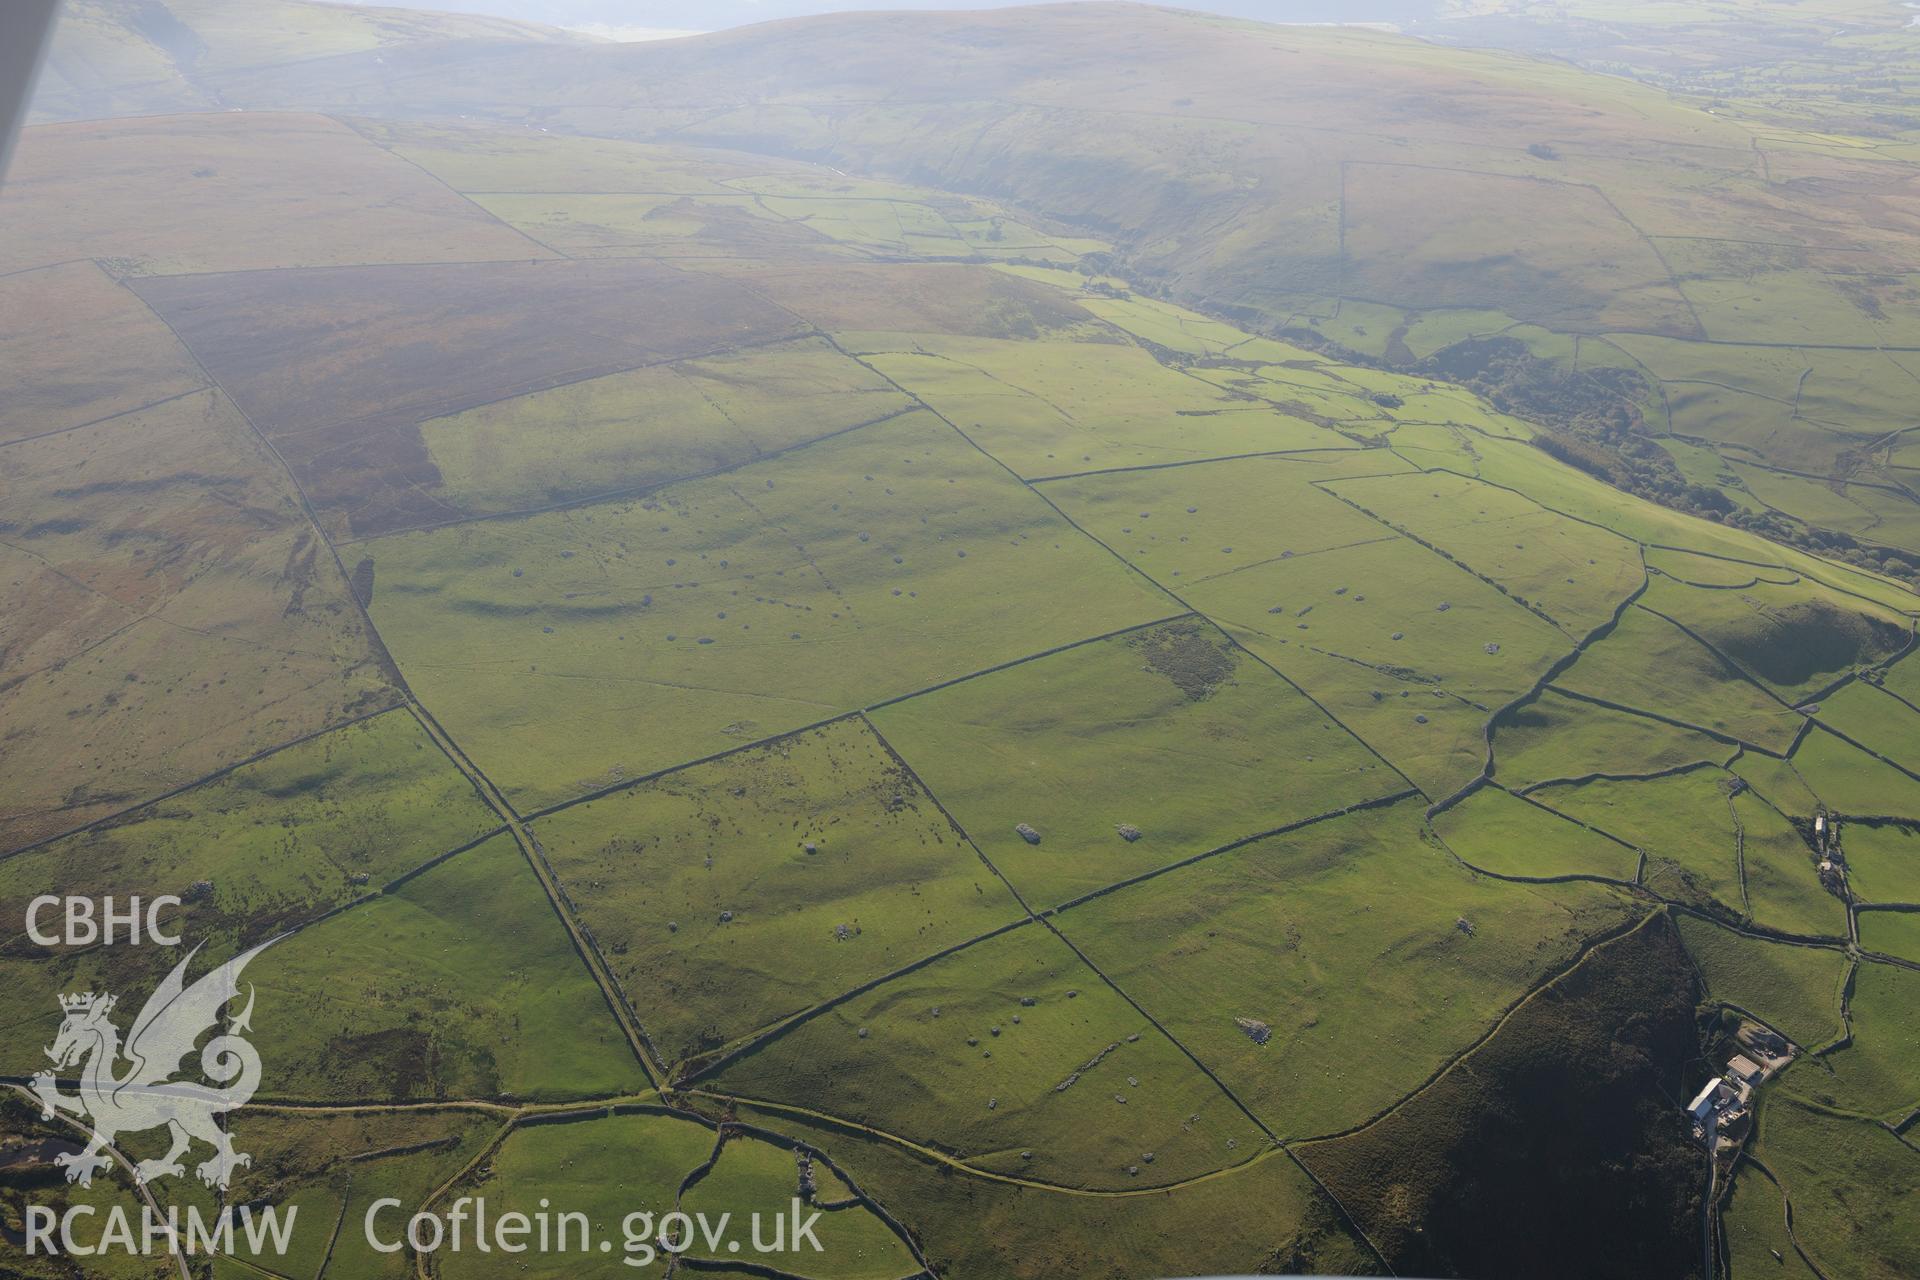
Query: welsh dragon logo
{"x":141,"y":1095}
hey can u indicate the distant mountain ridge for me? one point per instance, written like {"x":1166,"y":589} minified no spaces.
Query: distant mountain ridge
{"x":1577,"y":246}
{"x":143,"y":57}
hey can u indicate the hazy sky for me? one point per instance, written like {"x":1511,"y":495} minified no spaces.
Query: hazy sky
{"x":639,"y":18}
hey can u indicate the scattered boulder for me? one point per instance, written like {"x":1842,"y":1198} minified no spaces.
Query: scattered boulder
{"x":1464,"y":925}
{"x":726,"y":917}
{"x":1027,"y":833}
{"x":1129,"y":832}
{"x":1027,"y":1002}
{"x":202,"y":890}
{"x":808,"y":1186}
{"x":1256,"y":1030}
{"x":1491,"y":647}
{"x":862,"y":1033}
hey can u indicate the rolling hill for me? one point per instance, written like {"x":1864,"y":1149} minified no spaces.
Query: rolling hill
{"x":1104,"y":642}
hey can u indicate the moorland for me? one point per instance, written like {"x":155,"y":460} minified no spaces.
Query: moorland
{"x":1167,"y":645}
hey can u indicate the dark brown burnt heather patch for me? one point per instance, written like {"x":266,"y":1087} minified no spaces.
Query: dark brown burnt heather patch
{"x":1190,"y":653}
{"x":338,"y":366}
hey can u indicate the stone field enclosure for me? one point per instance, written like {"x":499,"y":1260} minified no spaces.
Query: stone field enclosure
{"x":1168,"y":645}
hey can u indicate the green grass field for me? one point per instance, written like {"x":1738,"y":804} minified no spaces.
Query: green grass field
{"x":1171,"y":731}
{"x":1650,"y":664}
{"x":649,"y":426}
{"x":1556,"y":737}
{"x":1059,"y":408}
{"x":729,"y":896}
{"x":1871,"y":716}
{"x":994,"y":636}
{"x":1382,"y":958}
{"x":1796,"y":990}
{"x":1892,"y":933}
{"x":273,"y":845}
{"x":1854,"y":1188}
{"x":1878,"y":1072}
{"x":753,"y":1175}
{"x":604,"y":1167}
{"x":1781,"y":878}
{"x":730,"y":609}
{"x":1191,"y":524}
{"x":1796,"y":640}
{"x":1413,"y":653}
{"x":1755,"y":1222}
{"x":1683,"y":821}
{"x":1883,"y":862}
{"x":986,"y":1054}
{"x":1852,"y":781}
{"x":333,"y":1167}
{"x":988,"y":1228}
{"x":1507,"y":835}
{"x":1573,"y":574}
{"x":411,"y":996}
{"x":1778,"y":783}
